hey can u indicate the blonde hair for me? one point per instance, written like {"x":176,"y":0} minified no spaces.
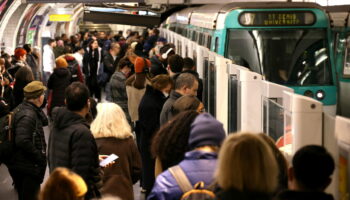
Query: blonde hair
{"x":110,"y":122}
{"x":246,"y":163}
{"x":63,"y":184}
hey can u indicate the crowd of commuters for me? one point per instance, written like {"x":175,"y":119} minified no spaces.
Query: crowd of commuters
{"x":152,"y":119}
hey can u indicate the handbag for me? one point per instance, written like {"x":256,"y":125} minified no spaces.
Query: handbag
{"x":102,"y":76}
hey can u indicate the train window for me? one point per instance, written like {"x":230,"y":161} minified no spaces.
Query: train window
{"x":179,"y":47}
{"x":193,"y":37}
{"x":289,"y":56}
{"x":206,"y":83}
{"x":200,"y":39}
{"x":212,"y":88}
{"x":216,"y":48}
{"x":184,"y":32}
{"x":273,"y":118}
{"x":232,"y":103}
{"x":346,"y":67}
{"x":208,"y":41}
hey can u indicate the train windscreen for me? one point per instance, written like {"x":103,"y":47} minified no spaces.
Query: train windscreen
{"x":296,"y":57}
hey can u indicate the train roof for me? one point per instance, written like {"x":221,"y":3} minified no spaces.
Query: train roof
{"x":207,"y":16}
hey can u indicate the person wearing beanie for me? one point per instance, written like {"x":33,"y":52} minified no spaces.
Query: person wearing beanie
{"x":19,"y":61}
{"x":59,"y":80}
{"x":23,"y":76}
{"x":206,"y":136}
{"x":136,"y":84}
{"x":28,"y":164}
{"x":159,"y":44}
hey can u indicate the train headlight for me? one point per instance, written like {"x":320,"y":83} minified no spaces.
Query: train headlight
{"x":320,"y":95}
{"x":309,"y":93}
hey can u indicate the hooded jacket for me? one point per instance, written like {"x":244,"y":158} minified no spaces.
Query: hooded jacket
{"x":197,"y":165}
{"x":72,"y":145}
{"x":58,"y":82}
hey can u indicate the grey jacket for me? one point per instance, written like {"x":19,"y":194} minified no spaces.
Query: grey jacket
{"x":166,"y":113}
{"x":118,"y":91}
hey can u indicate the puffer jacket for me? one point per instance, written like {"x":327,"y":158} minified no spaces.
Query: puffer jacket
{"x":72,"y":145}
{"x":197,"y":165}
{"x":29,"y":155}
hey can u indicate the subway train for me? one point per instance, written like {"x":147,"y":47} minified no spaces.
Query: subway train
{"x":289,"y":44}
{"x":278,"y":68}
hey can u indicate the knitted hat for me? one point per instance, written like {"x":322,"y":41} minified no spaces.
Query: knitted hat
{"x":19,"y":52}
{"x":206,"y":130}
{"x":61,"y":63}
{"x":161,"y":39}
{"x":34,"y":90}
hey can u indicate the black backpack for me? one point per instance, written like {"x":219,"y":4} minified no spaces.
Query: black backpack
{"x":6,"y":137}
{"x":196,"y":192}
{"x":73,"y":69}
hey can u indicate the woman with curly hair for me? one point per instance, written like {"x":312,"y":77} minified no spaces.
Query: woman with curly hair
{"x":170,"y":143}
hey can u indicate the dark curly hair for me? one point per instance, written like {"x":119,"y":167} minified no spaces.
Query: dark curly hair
{"x":170,"y":143}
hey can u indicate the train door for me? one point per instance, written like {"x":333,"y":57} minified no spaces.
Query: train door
{"x":194,"y":52}
{"x":209,"y":82}
{"x":344,"y":79}
{"x":220,"y":79}
{"x":179,"y":44}
{"x":233,"y":99}
{"x":183,"y":47}
{"x":187,"y":46}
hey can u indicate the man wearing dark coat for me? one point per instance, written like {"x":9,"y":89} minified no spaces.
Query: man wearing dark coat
{"x":28,"y":163}
{"x":71,"y":143}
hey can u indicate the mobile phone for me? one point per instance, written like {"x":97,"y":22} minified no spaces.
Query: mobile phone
{"x":108,"y":160}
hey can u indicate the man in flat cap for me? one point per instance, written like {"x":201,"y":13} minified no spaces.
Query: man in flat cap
{"x":28,"y":164}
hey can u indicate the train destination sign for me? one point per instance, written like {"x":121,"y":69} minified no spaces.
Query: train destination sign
{"x":277,"y":18}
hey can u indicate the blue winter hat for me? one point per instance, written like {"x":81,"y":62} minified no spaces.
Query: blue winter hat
{"x":206,"y":130}
{"x":161,"y":39}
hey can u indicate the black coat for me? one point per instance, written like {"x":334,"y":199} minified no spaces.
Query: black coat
{"x":30,"y":148}
{"x":72,"y":145}
{"x":149,"y":111}
{"x":110,"y":64}
{"x":59,"y":80}
{"x":238,"y":195}
{"x":300,"y":195}
{"x":157,"y":67}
